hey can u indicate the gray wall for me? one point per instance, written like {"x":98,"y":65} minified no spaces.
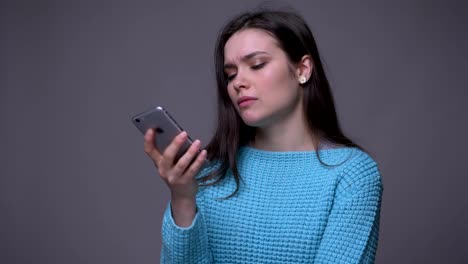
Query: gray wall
{"x":76,"y":186}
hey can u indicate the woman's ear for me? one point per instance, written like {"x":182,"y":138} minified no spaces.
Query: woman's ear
{"x":304,"y":69}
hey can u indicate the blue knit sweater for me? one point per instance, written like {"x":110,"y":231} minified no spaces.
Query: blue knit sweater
{"x":290,"y":209}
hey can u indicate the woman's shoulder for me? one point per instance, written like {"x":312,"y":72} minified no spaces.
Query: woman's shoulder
{"x":360,"y":168}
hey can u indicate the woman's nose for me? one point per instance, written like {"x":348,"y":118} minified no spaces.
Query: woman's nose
{"x":240,"y":81}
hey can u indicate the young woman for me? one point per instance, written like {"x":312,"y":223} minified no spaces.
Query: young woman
{"x":285,"y":185}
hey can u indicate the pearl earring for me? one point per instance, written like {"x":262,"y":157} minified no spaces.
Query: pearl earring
{"x":302,"y":79}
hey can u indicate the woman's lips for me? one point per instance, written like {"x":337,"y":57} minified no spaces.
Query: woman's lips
{"x":246,"y":101}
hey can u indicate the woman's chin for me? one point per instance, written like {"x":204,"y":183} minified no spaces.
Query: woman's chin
{"x":252,"y":121}
{"x":249,"y":121}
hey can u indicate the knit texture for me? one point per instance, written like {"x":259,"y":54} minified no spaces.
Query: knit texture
{"x":290,"y":209}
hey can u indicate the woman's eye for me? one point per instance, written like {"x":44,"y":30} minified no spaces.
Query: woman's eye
{"x":230,"y":77}
{"x":258,"y":66}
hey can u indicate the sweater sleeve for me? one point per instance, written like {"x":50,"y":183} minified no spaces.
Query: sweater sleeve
{"x":185,"y":244}
{"x":352,"y":230}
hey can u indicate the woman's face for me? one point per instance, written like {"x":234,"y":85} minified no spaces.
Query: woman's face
{"x":261,"y":84}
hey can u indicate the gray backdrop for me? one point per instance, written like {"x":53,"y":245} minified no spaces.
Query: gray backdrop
{"x":76,"y":186}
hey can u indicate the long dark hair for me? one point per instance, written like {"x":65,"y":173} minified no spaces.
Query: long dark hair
{"x":296,"y":40}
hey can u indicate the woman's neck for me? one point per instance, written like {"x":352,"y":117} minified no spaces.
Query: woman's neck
{"x":290,"y":134}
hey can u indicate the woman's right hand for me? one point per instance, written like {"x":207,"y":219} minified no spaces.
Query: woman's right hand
{"x":179,"y":176}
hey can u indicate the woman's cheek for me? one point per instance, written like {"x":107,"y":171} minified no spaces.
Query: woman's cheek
{"x":230,"y":91}
{"x":272,"y":75}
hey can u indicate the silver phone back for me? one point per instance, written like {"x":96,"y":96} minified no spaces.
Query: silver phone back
{"x":165,"y":126}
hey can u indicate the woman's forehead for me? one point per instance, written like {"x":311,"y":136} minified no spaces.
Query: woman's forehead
{"x":248,"y":41}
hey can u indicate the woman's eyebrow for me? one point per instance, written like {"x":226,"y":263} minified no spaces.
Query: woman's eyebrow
{"x":244,"y":58}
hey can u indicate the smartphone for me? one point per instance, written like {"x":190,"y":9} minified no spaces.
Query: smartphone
{"x":165,"y":127}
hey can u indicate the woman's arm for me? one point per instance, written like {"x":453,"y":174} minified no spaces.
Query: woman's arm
{"x":352,"y":231}
{"x":186,"y":241}
{"x":185,"y":244}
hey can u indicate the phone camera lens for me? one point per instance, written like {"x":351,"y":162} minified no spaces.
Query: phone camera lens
{"x":137,"y":120}
{"x":159,"y":130}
